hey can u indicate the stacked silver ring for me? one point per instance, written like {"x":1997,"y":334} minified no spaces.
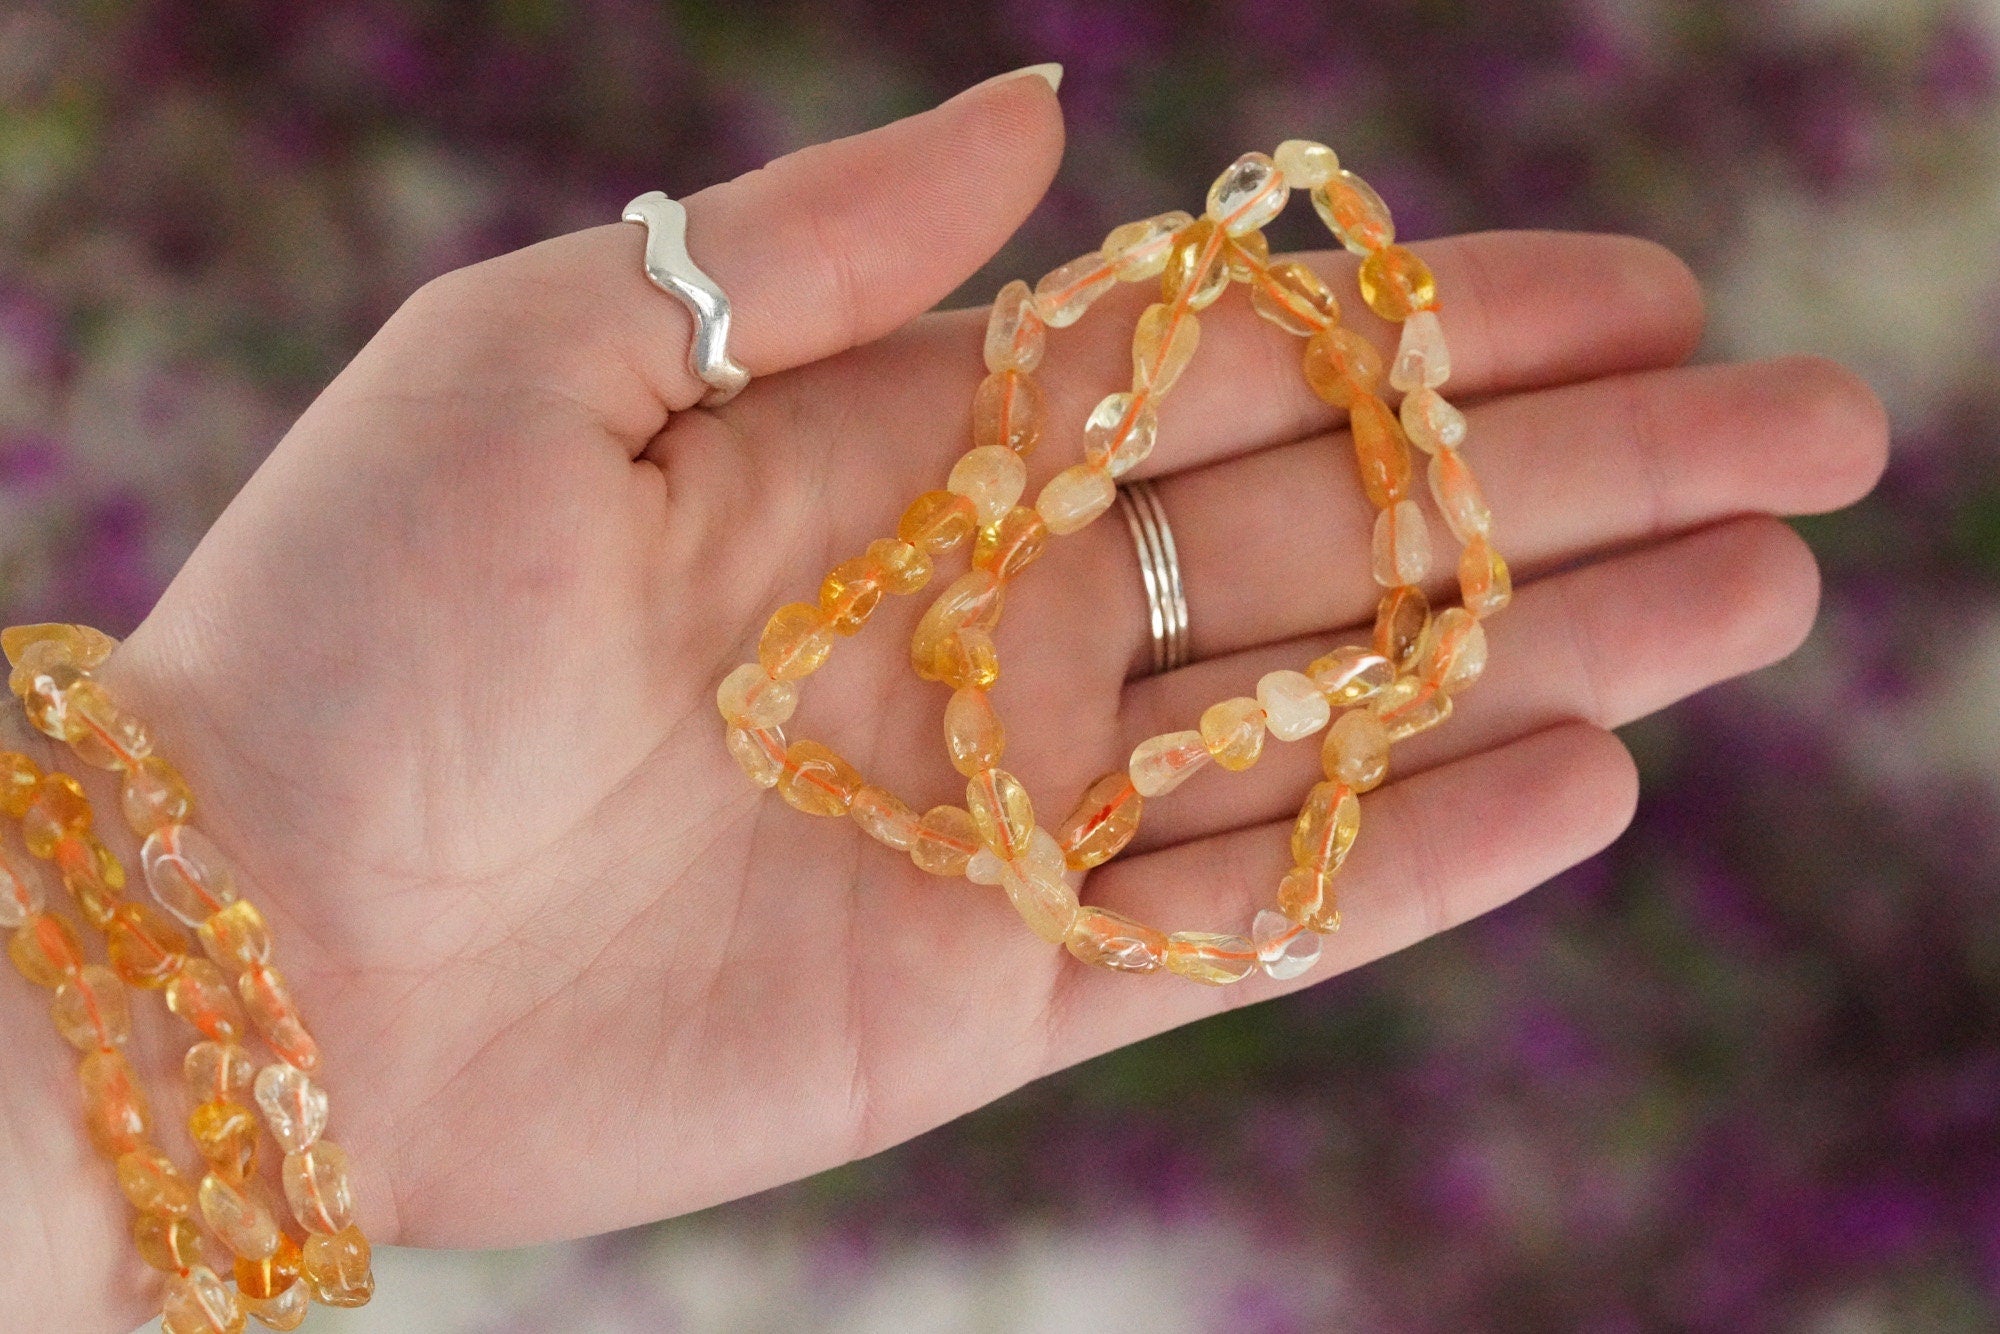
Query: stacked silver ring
{"x":1160,"y":571}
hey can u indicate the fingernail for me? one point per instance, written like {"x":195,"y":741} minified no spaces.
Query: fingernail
{"x":1050,"y":73}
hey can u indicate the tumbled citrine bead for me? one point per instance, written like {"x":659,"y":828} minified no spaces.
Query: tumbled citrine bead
{"x":946,"y":839}
{"x":759,"y":752}
{"x":884,"y":817}
{"x":200,"y":996}
{"x":268,"y":1000}
{"x":337,"y":1269}
{"x":237,"y":1217}
{"x":1458,"y":496}
{"x":1104,"y":821}
{"x":904,"y":567}
{"x":1138,"y":250}
{"x":968,"y":660}
{"x":1307,"y":165}
{"x":226,"y":1134}
{"x":1484,"y":583}
{"x":1351,"y":674}
{"x":198,"y":1302}
{"x":750,"y":697}
{"x":1233,"y":731}
{"x":217,"y":1071}
{"x":287,"y":1310}
{"x":101,"y":733}
{"x":1008,"y":410}
{"x":21,"y":892}
{"x":78,"y":645}
{"x":1195,"y":273}
{"x":237,"y":937}
{"x":818,"y":781}
{"x":1431,"y":423}
{"x":1294,"y":298}
{"x":1356,"y":752}
{"x":114,"y":1106}
{"x":1306,"y":895}
{"x":1246,"y":256}
{"x":1112,"y":940}
{"x":153,"y":1184}
{"x":1001,"y":811}
{"x":1034,"y":884}
{"x":1401,"y":618}
{"x":1294,"y":705}
{"x":154,"y":794}
{"x":795,"y":642}
{"x":1162,"y":763}
{"x":1410,"y":706}
{"x":848,"y":596}
{"x":1401,"y":550}
{"x":19,"y":779}
{"x":318,"y":1188}
{"x":937,"y":521}
{"x":146,"y":948}
{"x":1396,"y":283}
{"x":45,"y":949}
{"x":60,"y":810}
{"x":973,"y":599}
{"x":187,"y":873}
{"x":1284,"y":948}
{"x":1015,"y":335}
{"x":257,"y":1279}
{"x":1119,"y":433}
{"x":1379,"y":450}
{"x":1011,"y":545}
{"x":973,"y":735}
{"x":1064,"y":293}
{"x":84,"y":865}
{"x":45,"y":702}
{"x":1454,"y":652}
{"x":1340,"y":365}
{"x":1211,"y":957}
{"x":91,"y":1009}
{"x":1163,"y":343}
{"x":1249,"y":193}
{"x":169,"y":1243}
{"x":1326,"y":827}
{"x":1354,"y":213}
{"x":992,"y":477}
{"x":1075,"y":496}
{"x":1423,"y":360}
{"x":295,"y":1109}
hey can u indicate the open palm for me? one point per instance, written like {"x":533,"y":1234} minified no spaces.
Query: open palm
{"x":443,"y":674}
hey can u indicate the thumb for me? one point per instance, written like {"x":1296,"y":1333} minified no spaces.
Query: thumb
{"x":818,"y":251}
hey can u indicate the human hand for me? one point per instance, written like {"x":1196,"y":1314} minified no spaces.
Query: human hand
{"x":443,"y":675}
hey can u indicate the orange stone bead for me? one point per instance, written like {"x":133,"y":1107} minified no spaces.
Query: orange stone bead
{"x":20,"y":779}
{"x":200,"y":1303}
{"x":1340,"y":365}
{"x":236,"y":938}
{"x":1112,"y":940}
{"x":1354,"y":213}
{"x":968,"y":660}
{"x":973,"y":735}
{"x":946,"y":839}
{"x":1401,"y":618}
{"x":60,"y":810}
{"x":818,"y":781}
{"x":153,"y":1184}
{"x":91,"y":1010}
{"x":1294,"y":298}
{"x":169,"y":1243}
{"x":237,"y":1217}
{"x":1380,"y":449}
{"x":904,"y":568}
{"x":849,"y":595}
{"x":937,"y":521}
{"x":270,"y":1006}
{"x":1195,"y":273}
{"x":1326,"y":827}
{"x":318,"y":1188}
{"x":259,"y":1279}
{"x":1103,"y":822}
{"x":82,"y":865}
{"x":1396,"y":284}
{"x":1306,"y":896}
{"x":114,"y":1106}
{"x":146,"y":948}
{"x":795,"y":642}
{"x":1211,"y":957}
{"x":1008,"y":410}
{"x":1233,"y":731}
{"x":199,"y":994}
{"x":226,"y":1134}
{"x":45,"y":950}
{"x":1012,"y":544}
{"x":974,"y":599}
{"x":1484,"y":583}
{"x":1001,"y":811}
{"x":287,"y":1310}
{"x":337,"y":1268}
{"x":884,"y":817}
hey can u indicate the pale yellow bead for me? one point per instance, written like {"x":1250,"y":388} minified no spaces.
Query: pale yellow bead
{"x":1285,"y":948}
{"x":1294,"y":706}
{"x":1001,"y":811}
{"x":750,"y":697}
{"x":945,"y":841}
{"x":1162,"y":345}
{"x":1233,"y":731}
{"x":1357,"y":750}
{"x":973,"y":735}
{"x":968,"y":659}
{"x":1306,"y":164}
{"x":1326,"y":827}
{"x":1112,"y":940}
{"x":1075,"y":496}
{"x":1162,"y":763}
{"x":238,"y":1217}
{"x":1065,"y":293}
{"x":1249,"y":193}
{"x":1196,"y":271}
{"x":198,"y":1302}
{"x":1401,"y":618}
{"x":1038,"y":891}
{"x":1293,"y":297}
{"x":1207,"y":956}
{"x":1009,"y":409}
{"x":1458,"y":496}
{"x":1119,"y":432}
{"x":1431,"y":423}
{"x":884,"y":817}
{"x":817,"y":780}
{"x":974,"y":599}
{"x":1351,"y":674}
{"x":1138,"y":250}
{"x":1015,"y":334}
{"x":1422,"y":360}
{"x":795,"y":642}
{"x":905,"y":568}
{"x":1484,"y":584}
{"x":1354,"y":213}
{"x":1306,"y":895}
{"x":1454,"y":652}
{"x":992,"y":477}
{"x":758,"y":752}
{"x":1410,"y":706}
{"x":1402,"y":545}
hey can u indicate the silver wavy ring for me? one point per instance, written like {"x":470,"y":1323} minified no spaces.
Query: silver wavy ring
{"x":675,"y":273}
{"x":1160,"y":571}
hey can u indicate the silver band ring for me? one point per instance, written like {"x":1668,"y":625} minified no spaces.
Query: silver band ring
{"x":1160,"y":571}
{"x":674,"y":272}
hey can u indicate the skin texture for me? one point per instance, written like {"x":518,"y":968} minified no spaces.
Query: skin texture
{"x":443,"y":678}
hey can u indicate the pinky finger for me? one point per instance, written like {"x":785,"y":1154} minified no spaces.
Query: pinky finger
{"x":1436,"y":849}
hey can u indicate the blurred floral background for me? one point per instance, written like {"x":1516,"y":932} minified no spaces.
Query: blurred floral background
{"x":1740,"y":1073}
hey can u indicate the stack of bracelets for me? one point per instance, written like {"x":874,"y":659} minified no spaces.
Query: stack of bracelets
{"x":221,"y":997}
{"x":1399,"y":685}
